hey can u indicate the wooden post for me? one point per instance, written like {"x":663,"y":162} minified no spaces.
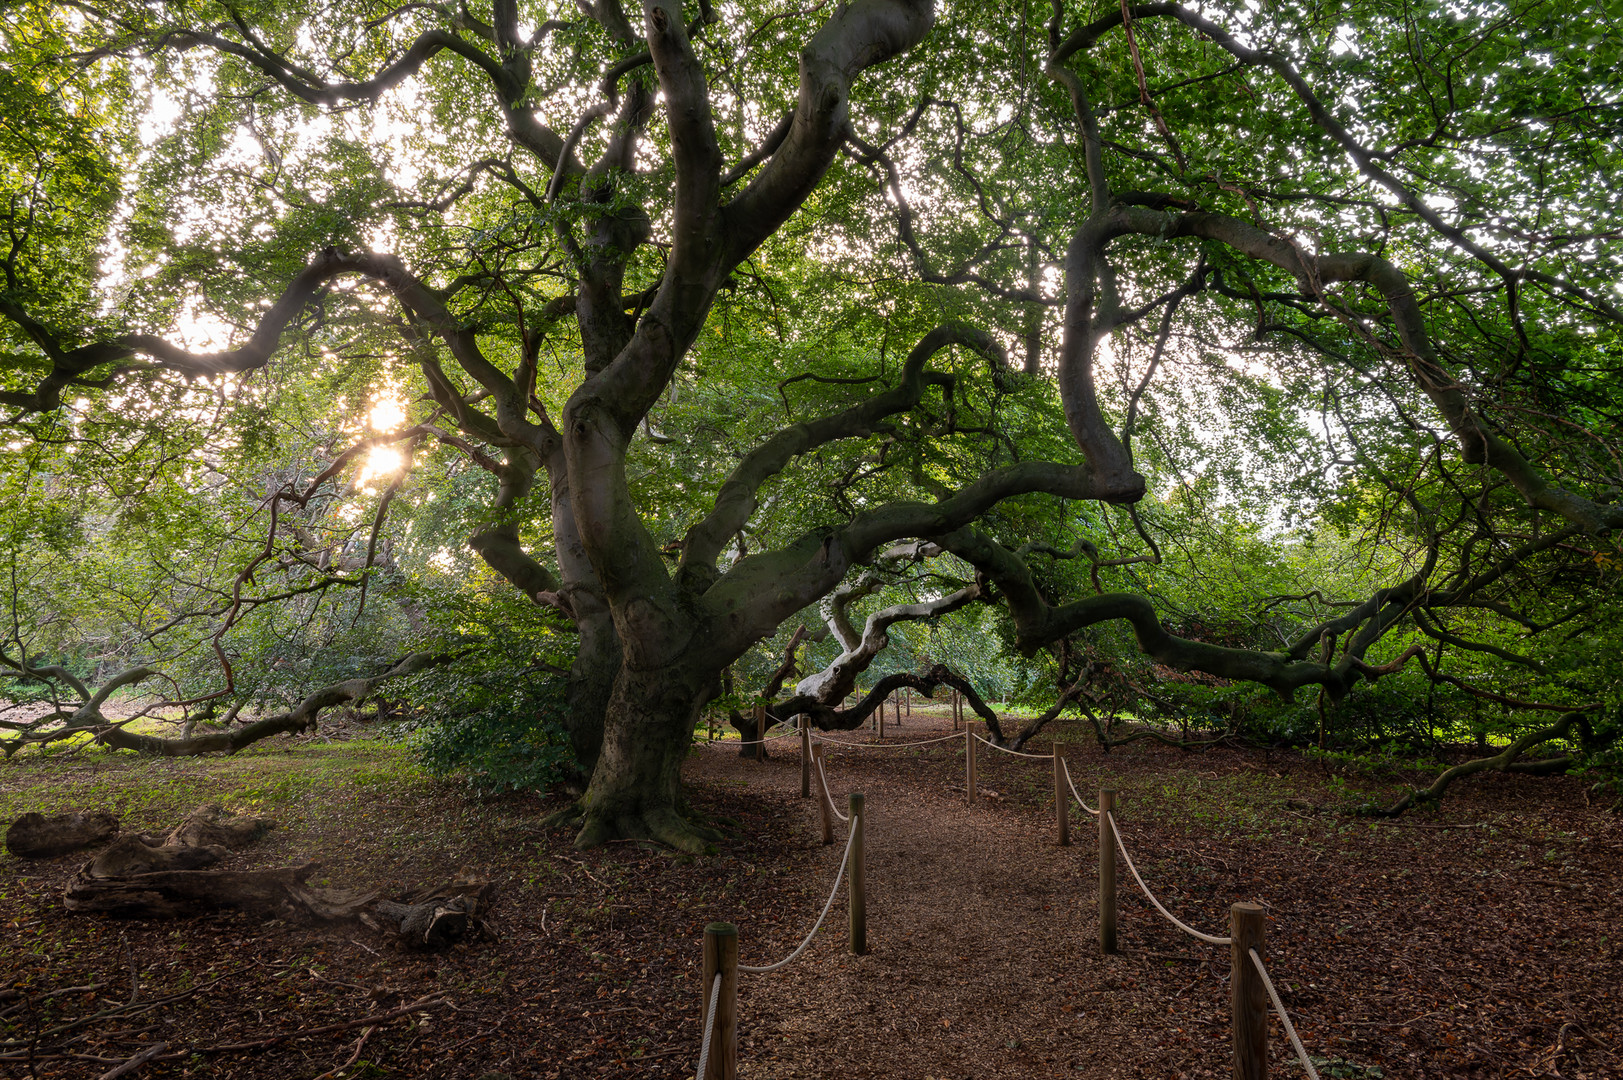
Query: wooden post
{"x":1248,"y":1000}
{"x":805,"y":755}
{"x":969,"y":763}
{"x":721,"y":958}
{"x":823,"y":810}
{"x":881,"y":720}
{"x":1062,"y":797}
{"x":857,"y":898}
{"x":909,"y":702}
{"x":760,"y":733}
{"x":957,"y":711}
{"x":1107,"y":872}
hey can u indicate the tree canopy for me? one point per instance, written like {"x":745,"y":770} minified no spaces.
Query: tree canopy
{"x":347,"y":341}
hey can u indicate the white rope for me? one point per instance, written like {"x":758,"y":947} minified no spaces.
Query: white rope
{"x":1064,"y":765}
{"x":826,"y":796}
{"x":1279,"y":1008}
{"x":769,"y":738}
{"x":1016,"y":753}
{"x":709,"y":1025}
{"x":844,"y":861}
{"x":1191,"y":931}
{"x":886,"y":745}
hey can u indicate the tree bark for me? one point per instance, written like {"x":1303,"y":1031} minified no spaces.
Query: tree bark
{"x":636,"y":788}
{"x":35,"y":836}
{"x":165,"y":877}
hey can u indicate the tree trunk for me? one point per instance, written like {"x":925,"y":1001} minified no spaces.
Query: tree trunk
{"x":636,"y":788}
{"x":591,"y":681}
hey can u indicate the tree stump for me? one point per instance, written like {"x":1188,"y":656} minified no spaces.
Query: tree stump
{"x":434,"y":918}
{"x":35,"y":836}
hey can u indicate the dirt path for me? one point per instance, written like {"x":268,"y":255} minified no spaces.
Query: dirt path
{"x":983,"y":956}
{"x":1426,"y":948}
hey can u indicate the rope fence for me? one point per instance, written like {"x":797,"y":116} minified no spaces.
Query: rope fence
{"x":709,"y":1026}
{"x":1210,"y":939}
{"x":718,"y":1048}
{"x":883,"y":746}
{"x":845,"y":860}
{"x":769,"y":738}
{"x":1069,"y":783}
{"x":1251,"y":988}
{"x":827,"y":798}
{"x":1290,"y":1028}
{"x":1006,"y":750}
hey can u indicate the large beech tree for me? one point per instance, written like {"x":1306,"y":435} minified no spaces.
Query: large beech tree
{"x":1389,"y":223}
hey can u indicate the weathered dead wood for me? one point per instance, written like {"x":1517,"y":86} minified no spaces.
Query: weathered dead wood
{"x":133,"y":853}
{"x":35,"y":836}
{"x":135,"y":1062}
{"x":170,"y":893}
{"x":165,"y":877}
{"x":435,"y":917}
{"x":423,"y":925}
{"x":203,"y":839}
{"x":213,"y":824}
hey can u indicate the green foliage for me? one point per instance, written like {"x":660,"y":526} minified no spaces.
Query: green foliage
{"x":493,"y":731}
{"x":1293,"y":468}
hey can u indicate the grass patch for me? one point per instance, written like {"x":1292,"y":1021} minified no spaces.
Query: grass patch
{"x":290,"y":780}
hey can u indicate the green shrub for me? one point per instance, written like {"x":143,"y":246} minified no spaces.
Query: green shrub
{"x":496,"y":734}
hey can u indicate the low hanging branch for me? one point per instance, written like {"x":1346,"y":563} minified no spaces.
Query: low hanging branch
{"x":1107,"y":743}
{"x":1506,"y":761}
{"x":829,"y":718}
{"x":837,"y":680}
{"x":1031,"y":727}
{"x":87,"y":718}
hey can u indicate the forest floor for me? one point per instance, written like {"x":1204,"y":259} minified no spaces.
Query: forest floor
{"x":1481,"y":940}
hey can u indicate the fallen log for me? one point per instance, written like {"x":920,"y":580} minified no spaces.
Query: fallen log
{"x":167,"y":876}
{"x":133,"y":853}
{"x":205,"y":837}
{"x":35,"y":836}
{"x":163,"y":894}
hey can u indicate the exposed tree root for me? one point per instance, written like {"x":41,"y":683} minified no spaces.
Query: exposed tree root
{"x":570,"y":817}
{"x":662,"y":825}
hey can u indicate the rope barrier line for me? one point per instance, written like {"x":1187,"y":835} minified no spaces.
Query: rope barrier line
{"x":828,"y":797}
{"x":838,"y":877}
{"x":1279,"y":1008}
{"x":769,"y":738}
{"x":1016,"y":753}
{"x":710,"y":1024}
{"x":883,"y":746}
{"x":1064,"y":765}
{"x":1121,"y":846}
{"x":1210,"y":939}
